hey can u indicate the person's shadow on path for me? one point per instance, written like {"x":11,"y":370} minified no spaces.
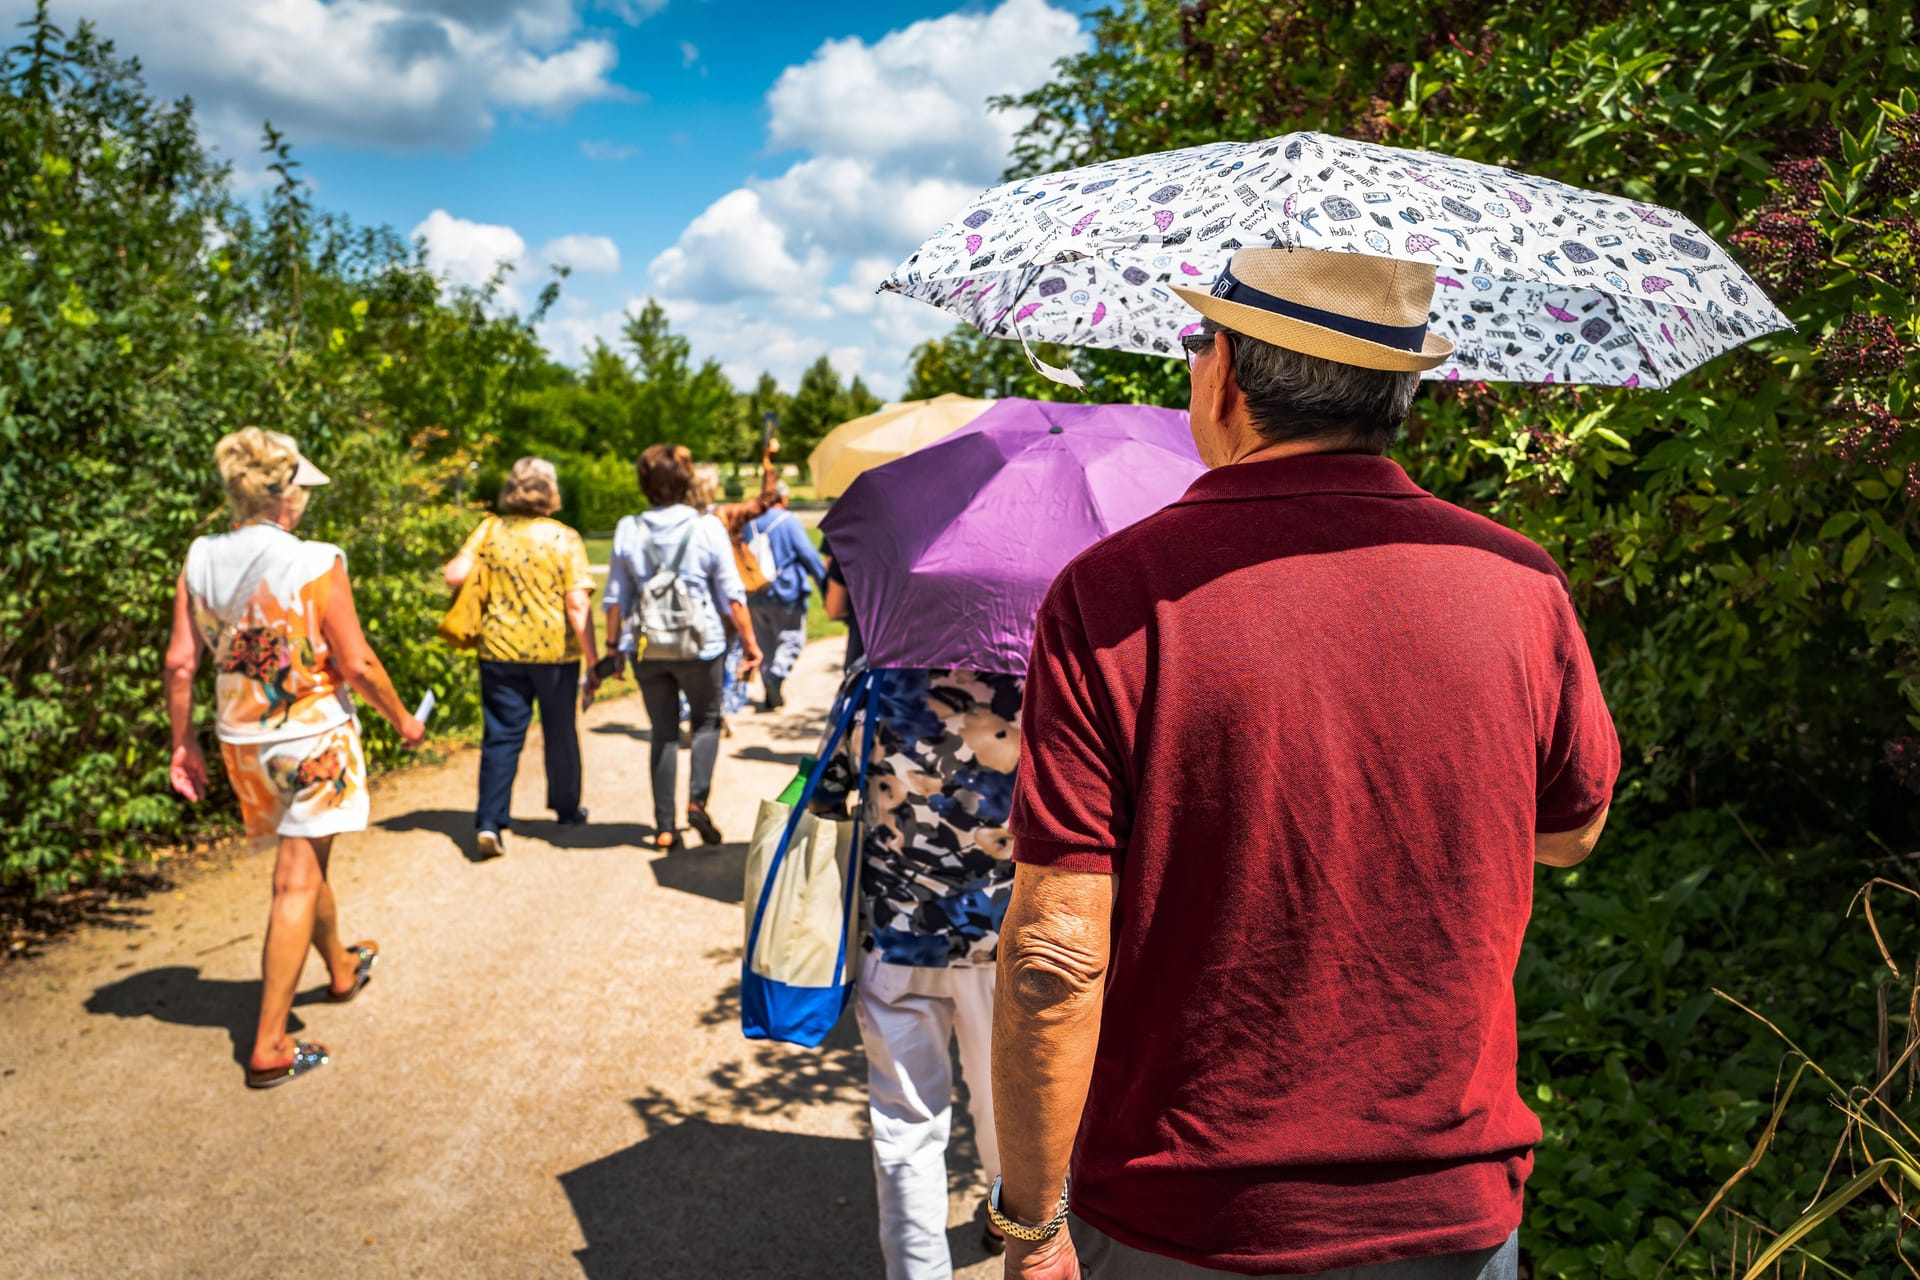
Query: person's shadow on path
{"x":700,"y":1197}
{"x":767,"y":755}
{"x":718,"y":872}
{"x":179,"y":995}
{"x":457,"y":826}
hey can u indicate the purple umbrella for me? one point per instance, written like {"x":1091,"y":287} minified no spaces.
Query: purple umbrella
{"x":949,"y":551}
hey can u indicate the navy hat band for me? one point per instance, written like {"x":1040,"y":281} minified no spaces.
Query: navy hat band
{"x":1231,"y":288}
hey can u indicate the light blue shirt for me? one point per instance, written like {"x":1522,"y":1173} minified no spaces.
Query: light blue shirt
{"x":796,"y":565}
{"x":644,"y":543}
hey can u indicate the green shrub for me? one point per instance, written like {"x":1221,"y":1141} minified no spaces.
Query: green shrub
{"x":143,"y":314}
{"x":598,"y":490}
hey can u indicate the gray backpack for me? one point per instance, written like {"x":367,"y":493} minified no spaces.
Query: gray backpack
{"x":667,"y":617}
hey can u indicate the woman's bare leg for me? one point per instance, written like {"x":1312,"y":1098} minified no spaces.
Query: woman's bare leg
{"x":297,"y":882}
{"x":327,"y":942}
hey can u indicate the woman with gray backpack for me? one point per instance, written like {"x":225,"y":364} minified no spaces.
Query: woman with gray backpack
{"x":673,"y":597}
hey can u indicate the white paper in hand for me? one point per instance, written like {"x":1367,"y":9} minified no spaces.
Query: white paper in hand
{"x":425,"y":708}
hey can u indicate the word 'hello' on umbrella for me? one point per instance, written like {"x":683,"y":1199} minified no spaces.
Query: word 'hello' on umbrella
{"x":1538,"y":281}
{"x":889,"y":432}
{"x":949,"y":551}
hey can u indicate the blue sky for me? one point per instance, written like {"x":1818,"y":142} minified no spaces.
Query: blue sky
{"x":756,"y":166}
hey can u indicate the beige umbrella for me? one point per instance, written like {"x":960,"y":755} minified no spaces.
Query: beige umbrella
{"x":893,"y":431}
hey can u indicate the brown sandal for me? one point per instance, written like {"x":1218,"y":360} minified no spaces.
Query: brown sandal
{"x":306,"y":1057}
{"x":697,"y":819}
{"x":369,"y":953}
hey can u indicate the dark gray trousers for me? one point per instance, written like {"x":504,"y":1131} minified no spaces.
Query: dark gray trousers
{"x":1104,"y":1258}
{"x":661,"y":684}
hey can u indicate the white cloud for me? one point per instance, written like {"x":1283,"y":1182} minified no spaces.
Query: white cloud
{"x":593,"y":254}
{"x":465,"y":253}
{"x":846,"y":204}
{"x":734,"y":250}
{"x":918,"y":95}
{"x":689,"y":53}
{"x":747,"y":342}
{"x":574,"y":327}
{"x":395,"y":74}
{"x":898,"y":136}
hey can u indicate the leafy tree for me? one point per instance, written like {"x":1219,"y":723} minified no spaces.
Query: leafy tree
{"x":819,"y":405}
{"x":143,"y":313}
{"x":859,"y":402}
{"x":675,"y":401}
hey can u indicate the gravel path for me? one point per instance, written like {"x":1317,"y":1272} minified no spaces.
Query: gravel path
{"x":546,"y":1077}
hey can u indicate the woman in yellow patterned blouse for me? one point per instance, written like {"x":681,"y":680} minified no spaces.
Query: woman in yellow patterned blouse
{"x":534,"y":632}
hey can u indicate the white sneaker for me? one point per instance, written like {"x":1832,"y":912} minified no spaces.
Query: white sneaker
{"x":492,"y":843}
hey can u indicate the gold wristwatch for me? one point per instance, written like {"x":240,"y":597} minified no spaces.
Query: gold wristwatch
{"x":1020,"y":1230}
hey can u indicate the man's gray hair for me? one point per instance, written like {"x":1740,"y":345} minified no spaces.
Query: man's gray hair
{"x":1294,"y":396}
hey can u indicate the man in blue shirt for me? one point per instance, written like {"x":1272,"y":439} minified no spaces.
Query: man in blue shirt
{"x":780,"y":608}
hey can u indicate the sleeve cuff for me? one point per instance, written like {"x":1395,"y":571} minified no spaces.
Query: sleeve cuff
{"x":1560,"y":818}
{"x":1063,"y":857}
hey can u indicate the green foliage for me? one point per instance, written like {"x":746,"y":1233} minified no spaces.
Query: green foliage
{"x":143,"y":314}
{"x":820,"y":404}
{"x":1741,"y":545}
{"x":596,"y":490}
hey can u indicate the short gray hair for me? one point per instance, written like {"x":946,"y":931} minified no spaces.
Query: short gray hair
{"x":1294,"y":396}
{"x":532,"y":489}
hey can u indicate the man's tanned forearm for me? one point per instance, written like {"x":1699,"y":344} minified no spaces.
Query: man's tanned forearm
{"x":1046,"y":1024}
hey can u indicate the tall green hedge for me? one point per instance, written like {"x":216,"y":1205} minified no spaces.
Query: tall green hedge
{"x":143,"y":313}
{"x":1741,"y":547}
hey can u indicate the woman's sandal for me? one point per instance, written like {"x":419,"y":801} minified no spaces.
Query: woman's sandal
{"x":667,"y":841}
{"x":697,"y":819}
{"x":306,"y":1057}
{"x":369,"y":953}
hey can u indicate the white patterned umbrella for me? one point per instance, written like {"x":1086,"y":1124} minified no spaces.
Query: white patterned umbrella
{"x":1538,"y":281}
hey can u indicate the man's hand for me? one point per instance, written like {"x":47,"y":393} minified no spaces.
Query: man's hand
{"x":1053,"y":1259}
{"x":188,"y":772}
{"x":412,"y":731}
{"x":749,"y":663}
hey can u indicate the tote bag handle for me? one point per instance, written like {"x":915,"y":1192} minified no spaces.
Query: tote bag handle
{"x":844,"y":721}
{"x":859,"y":817}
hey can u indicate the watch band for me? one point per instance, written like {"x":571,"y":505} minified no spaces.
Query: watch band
{"x":1020,"y":1230}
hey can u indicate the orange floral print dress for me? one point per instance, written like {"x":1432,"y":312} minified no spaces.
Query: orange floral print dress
{"x":284,"y":717}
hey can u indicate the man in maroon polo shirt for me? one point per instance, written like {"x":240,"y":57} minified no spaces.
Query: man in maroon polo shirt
{"x":1290,"y":751}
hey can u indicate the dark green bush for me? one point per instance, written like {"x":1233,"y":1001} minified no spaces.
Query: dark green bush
{"x":143,"y":314}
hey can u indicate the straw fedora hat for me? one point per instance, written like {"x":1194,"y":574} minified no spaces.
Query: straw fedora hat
{"x":1350,"y":308}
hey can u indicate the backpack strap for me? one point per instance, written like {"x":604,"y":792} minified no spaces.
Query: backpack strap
{"x":681,"y":554}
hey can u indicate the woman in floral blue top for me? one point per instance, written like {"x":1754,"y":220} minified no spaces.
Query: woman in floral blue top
{"x":935,"y":875}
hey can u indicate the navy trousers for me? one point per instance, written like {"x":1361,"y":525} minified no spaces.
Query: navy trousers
{"x":509,"y":691}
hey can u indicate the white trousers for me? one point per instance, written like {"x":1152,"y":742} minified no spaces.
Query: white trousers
{"x":908,"y":1016}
